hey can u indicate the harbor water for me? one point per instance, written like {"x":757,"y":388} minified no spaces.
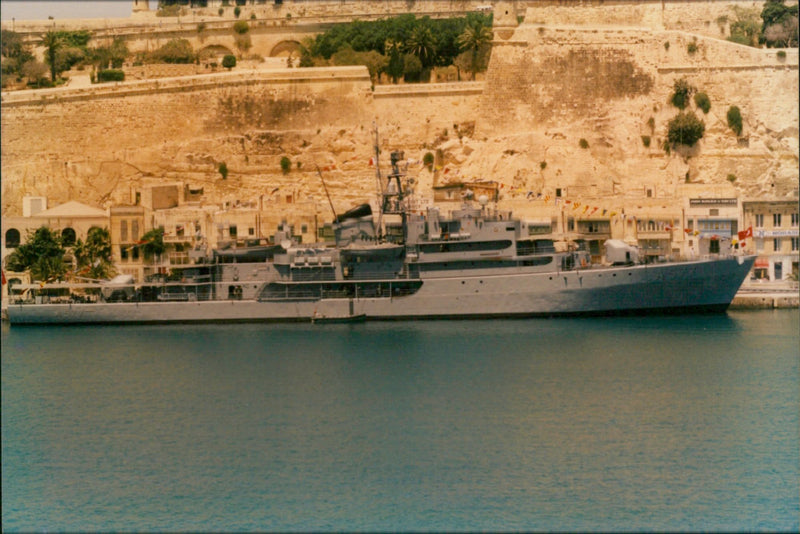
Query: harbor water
{"x":683,"y":423}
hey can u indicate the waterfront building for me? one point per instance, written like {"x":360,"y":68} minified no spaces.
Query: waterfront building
{"x":711,"y":224}
{"x":71,"y":221}
{"x":127,"y":226}
{"x":776,"y":226}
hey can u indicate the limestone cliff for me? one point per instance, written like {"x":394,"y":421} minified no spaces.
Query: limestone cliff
{"x":548,"y":86}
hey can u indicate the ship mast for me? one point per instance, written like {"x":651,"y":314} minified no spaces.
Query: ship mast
{"x":379,"y":183}
{"x":390,"y":197}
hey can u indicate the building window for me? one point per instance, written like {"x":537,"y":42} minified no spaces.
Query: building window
{"x":570,"y":224}
{"x":759,"y":245}
{"x":251,"y":231}
{"x":123,"y":231}
{"x":123,"y":253}
{"x":776,"y":245}
{"x":760,"y":220}
{"x":304,"y":229}
{"x":795,"y":244}
{"x":179,"y":230}
{"x":795,"y":219}
{"x":135,"y":230}
{"x":713,"y":212}
{"x":713,"y":246}
{"x":776,"y":220}
{"x":12,"y":238}
{"x":558,"y":191}
{"x":232,"y":231}
{"x":135,"y":253}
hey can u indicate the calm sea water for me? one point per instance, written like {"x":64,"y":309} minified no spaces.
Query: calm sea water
{"x":676,"y":423}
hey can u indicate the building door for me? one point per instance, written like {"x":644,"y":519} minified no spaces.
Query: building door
{"x":778,"y":270}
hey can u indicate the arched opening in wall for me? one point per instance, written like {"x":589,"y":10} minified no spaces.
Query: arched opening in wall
{"x":213,"y":51}
{"x":12,"y":238}
{"x":286,"y":49}
{"x":67,"y":237}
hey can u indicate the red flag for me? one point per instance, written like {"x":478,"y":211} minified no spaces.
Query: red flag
{"x":688,"y":230}
{"x":746,"y":233}
{"x":3,"y":274}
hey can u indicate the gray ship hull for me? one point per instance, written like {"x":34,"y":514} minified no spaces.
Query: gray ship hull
{"x":685,"y":287}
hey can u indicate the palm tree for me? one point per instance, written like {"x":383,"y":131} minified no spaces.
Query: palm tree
{"x":93,"y":256}
{"x":422,"y":44}
{"x":474,"y":37}
{"x":153,"y":243}
{"x":52,"y":43}
{"x":395,"y":66}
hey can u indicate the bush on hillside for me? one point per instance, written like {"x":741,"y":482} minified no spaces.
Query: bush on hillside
{"x":735,"y":120}
{"x":685,"y":129}
{"x":175,"y":51}
{"x":229,"y":61}
{"x":702,"y":101}
{"x":682,"y":90}
{"x":110,"y":75}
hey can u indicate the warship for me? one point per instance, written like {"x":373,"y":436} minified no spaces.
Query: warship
{"x":406,"y":263}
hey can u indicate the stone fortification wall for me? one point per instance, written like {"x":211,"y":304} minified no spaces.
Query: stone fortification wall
{"x":547,"y":87}
{"x":706,"y":17}
{"x":96,"y":144}
{"x":550,"y":86}
{"x":87,"y":143}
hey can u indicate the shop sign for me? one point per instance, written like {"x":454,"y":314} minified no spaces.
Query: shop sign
{"x":777,"y":233}
{"x":713,"y":202}
{"x":716,"y":233}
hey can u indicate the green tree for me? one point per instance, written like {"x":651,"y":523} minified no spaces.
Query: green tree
{"x":779,"y":27}
{"x":42,"y":253}
{"x":241,"y":27}
{"x":153,"y":243}
{"x":52,"y":43}
{"x":306,"y":56}
{"x":412,"y":68}
{"x":685,"y":129}
{"x":734,"y":117}
{"x":175,"y":51}
{"x":395,"y":66}
{"x":94,"y":255}
{"x":35,"y":72}
{"x":112,"y":56}
{"x":746,"y":29}
{"x":243,"y":42}
{"x":422,"y":44}
{"x":374,"y":61}
{"x":223,"y":170}
{"x":473,"y":39}
{"x":229,"y":61}
{"x":14,"y":52}
{"x":286,"y":165}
